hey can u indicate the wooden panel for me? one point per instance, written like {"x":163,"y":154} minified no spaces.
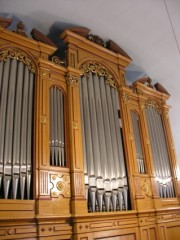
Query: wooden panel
{"x":18,"y":232}
{"x":173,"y":233}
{"x":152,"y":234}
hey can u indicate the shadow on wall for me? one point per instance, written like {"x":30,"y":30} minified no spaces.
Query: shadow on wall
{"x":133,"y":72}
{"x":54,"y":34}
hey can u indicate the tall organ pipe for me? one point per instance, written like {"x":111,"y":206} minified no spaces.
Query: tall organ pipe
{"x":100,"y":127}
{"x":109,"y":149}
{"x":94,"y":131}
{"x":87,"y":128}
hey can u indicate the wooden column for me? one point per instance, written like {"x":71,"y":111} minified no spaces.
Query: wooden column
{"x":78,"y":201}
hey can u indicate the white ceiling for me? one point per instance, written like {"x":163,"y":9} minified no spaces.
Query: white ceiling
{"x":148,"y":30}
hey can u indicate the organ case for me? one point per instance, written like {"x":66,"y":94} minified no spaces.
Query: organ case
{"x":97,"y":169}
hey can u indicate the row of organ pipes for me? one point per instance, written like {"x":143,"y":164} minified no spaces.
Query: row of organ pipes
{"x":160,"y":153}
{"x":57,"y":144}
{"x":16,"y":119}
{"x":138,"y":143}
{"x":104,"y":163}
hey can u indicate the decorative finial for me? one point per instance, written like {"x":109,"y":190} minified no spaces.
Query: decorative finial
{"x":20,"y":29}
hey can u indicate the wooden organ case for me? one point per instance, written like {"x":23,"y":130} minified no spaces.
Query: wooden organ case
{"x":82,"y":155}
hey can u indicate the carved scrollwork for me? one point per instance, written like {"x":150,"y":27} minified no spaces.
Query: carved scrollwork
{"x":125,"y":97}
{"x":151,"y":103}
{"x":58,"y":61}
{"x":19,"y":55}
{"x":100,"y":71}
{"x":71,"y":79}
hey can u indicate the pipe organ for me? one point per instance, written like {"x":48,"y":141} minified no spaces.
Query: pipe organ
{"x":82,"y":155}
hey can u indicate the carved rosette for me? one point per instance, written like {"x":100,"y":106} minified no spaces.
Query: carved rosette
{"x":100,"y":71}
{"x":19,"y":55}
{"x":61,"y":185}
{"x":151,"y":103}
{"x":71,"y":79}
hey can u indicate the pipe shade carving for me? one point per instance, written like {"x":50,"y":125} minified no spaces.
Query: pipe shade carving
{"x":104,"y":163}
{"x":19,"y":55}
{"x":16,"y":117}
{"x":57,"y":144}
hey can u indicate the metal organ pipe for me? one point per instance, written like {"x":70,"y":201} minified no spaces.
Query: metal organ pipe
{"x":115,"y":158}
{"x":100,"y":127}
{"x":87,"y":126}
{"x":29,"y":134}
{"x":94,"y":131}
{"x":103,"y":151}
{"x":107,"y":129}
{"x":118,"y":126}
{"x":17,"y":131}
